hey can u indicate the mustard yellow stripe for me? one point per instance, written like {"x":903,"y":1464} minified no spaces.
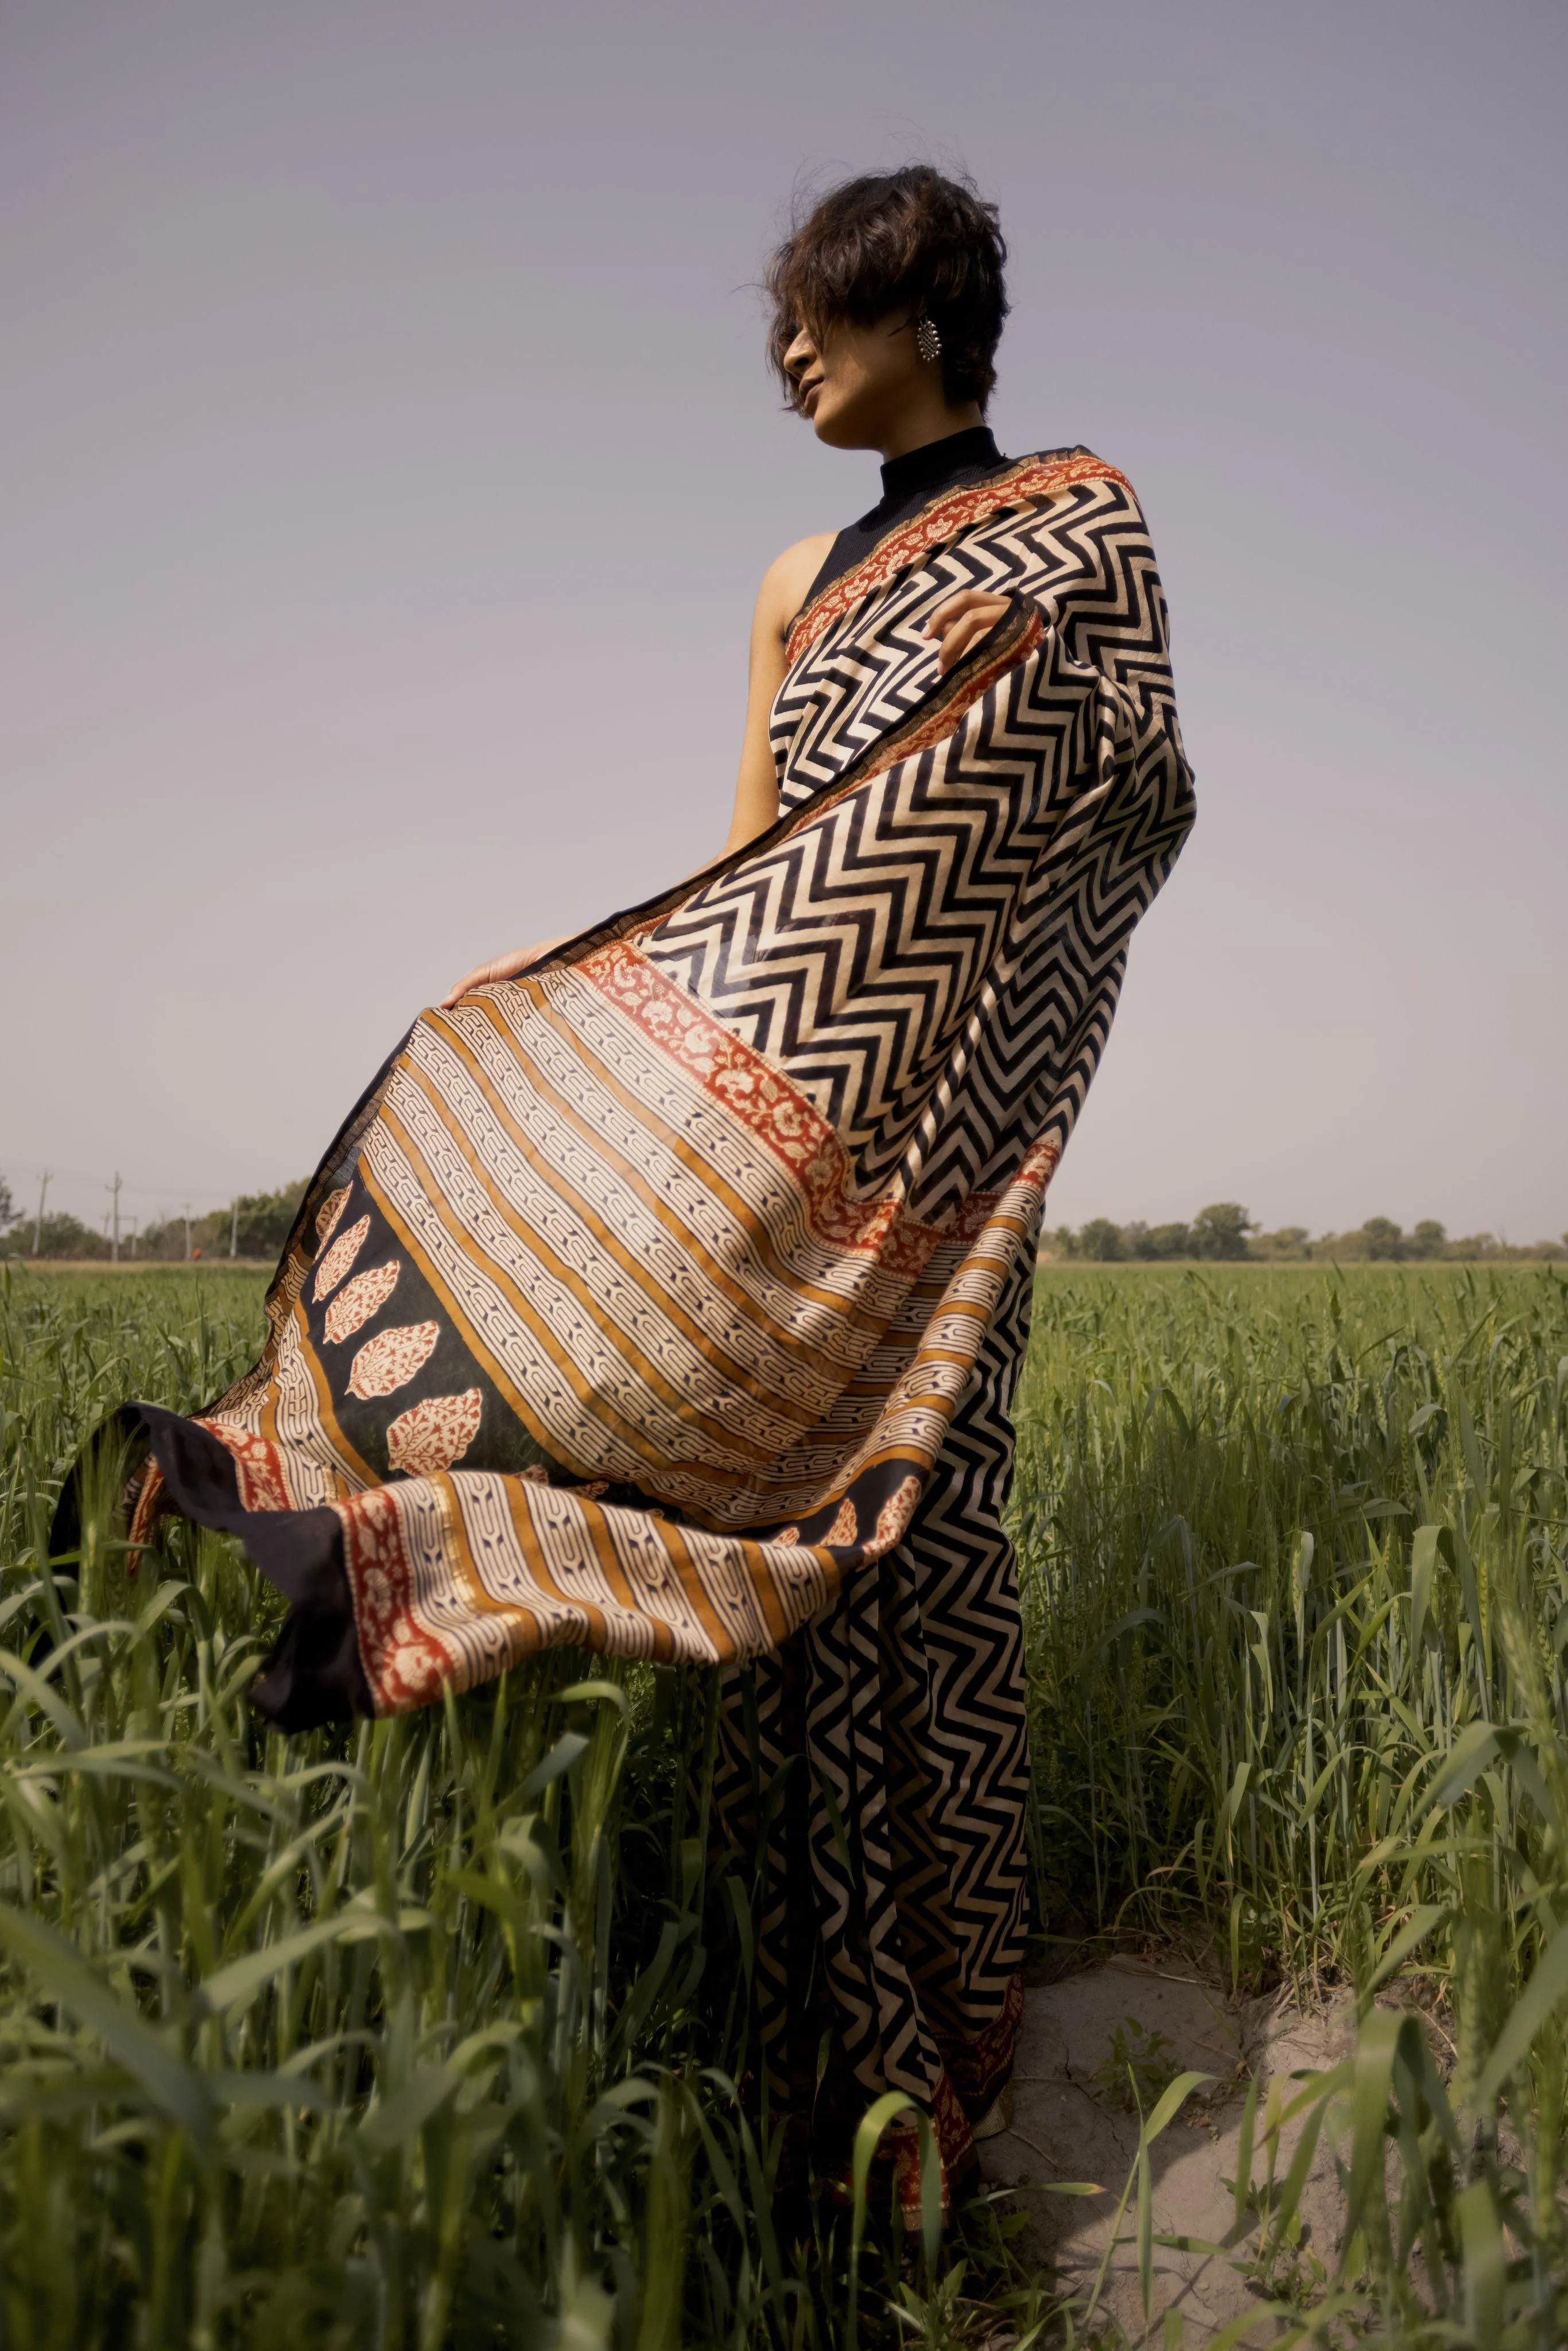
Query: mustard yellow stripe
{"x":696,"y":1590}
{"x":353,"y":1461}
{"x":607,"y":1553}
{"x":750,"y":1382}
{"x":538,"y":1567}
{"x":516,"y":1399}
{"x":593,"y":1403}
{"x":711,"y":1178}
{"x":482,"y":1601}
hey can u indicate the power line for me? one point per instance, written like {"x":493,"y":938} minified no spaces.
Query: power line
{"x":175,"y":1188}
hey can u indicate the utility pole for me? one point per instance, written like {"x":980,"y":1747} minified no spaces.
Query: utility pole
{"x":233,"y":1228}
{"x":38,"y":1220}
{"x":114,"y":1188}
{"x":187,"y":1231}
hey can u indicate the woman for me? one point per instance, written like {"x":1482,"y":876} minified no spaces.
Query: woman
{"x":666,"y":1290}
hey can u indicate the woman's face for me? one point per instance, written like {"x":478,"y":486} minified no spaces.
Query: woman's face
{"x":857,"y":382}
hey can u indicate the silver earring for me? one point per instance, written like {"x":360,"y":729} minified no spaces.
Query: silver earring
{"x":927,"y":341}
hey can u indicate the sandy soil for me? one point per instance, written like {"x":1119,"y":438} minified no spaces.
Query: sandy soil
{"x":1069,"y":2124}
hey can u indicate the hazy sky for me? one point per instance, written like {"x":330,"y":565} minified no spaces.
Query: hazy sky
{"x":388,"y":466}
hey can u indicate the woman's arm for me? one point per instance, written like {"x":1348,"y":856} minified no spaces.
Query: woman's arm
{"x":780,"y":598}
{"x":956,"y":624}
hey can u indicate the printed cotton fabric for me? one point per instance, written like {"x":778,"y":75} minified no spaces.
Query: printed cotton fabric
{"x":668,"y":1299}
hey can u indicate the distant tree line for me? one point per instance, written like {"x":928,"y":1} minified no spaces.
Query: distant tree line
{"x":1225,"y":1230}
{"x":256,"y":1225}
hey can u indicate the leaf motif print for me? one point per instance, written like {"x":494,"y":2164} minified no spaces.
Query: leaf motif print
{"x":391,"y":1359}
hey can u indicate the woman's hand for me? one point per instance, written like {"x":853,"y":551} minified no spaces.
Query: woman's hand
{"x":961,"y":622}
{"x":501,"y":967}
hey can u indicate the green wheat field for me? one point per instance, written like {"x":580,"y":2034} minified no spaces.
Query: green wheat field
{"x":429,"y":2032}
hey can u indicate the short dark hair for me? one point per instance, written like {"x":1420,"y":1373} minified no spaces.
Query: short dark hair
{"x":892,"y":240}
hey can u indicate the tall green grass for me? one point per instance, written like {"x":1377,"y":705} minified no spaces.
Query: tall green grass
{"x":380,"y":2036}
{"x":1295,"y":1564}
{"x":427,"y":2032}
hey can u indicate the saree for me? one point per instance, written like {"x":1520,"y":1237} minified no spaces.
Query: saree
{"x":668,"y":1298}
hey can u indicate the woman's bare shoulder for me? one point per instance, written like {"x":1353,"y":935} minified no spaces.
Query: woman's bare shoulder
{"x":788,"y":577}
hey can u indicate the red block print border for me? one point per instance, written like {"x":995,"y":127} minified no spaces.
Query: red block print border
{"x":404,"y":1666}
{"x":1035,"y":1171}
{"x":781,"y":1118}
{"x":260,"y":1479}
{"x":259,"y":1464}
{"x":943,"y":519}
{"x":898,"y":2152}
{"x":980,"y":2067}
{"x":775,"y":1112}
{"x":149,"y":1503}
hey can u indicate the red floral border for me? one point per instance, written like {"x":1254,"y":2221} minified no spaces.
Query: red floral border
{"x":981,"y":2065}
{"x":942,"y":519}
{"x":149,"y":1503}
{"x":900,"y":2151}
{"x":765,"y":1104}
{"x":405,"y":1664}
{"x":258,"y":1465}
{"x":781,"y":1118}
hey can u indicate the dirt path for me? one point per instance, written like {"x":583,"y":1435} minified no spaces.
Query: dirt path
{"x":1070,"y":2123}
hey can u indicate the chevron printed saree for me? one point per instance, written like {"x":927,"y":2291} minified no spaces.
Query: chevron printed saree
{"x":668,"y":1298}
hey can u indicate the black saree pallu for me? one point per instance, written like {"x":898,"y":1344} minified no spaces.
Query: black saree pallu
{"x":668,"y":1299}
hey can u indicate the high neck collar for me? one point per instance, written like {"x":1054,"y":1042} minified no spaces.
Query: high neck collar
{"x":924,"y":468}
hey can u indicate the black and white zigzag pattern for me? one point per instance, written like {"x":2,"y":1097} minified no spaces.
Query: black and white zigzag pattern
{"x":936,"y":954}
{"x":878,"y":1769}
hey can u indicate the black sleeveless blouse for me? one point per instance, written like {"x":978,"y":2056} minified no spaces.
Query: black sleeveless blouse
{"x":909,"y":482}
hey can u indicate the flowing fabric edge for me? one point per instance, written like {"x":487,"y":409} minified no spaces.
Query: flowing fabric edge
{"x":314,"y":1672}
